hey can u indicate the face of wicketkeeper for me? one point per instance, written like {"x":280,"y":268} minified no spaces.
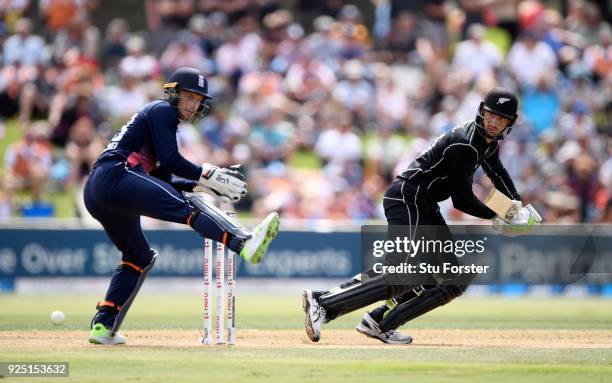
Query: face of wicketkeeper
{"x":188,"y":103}
{"x":495,"y":124}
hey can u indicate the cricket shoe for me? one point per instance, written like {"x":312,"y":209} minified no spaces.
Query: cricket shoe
{"x":255,"y":247}
{"x":315,"y":315}
{"x":369,"y":327}
{"x":101,"y":334}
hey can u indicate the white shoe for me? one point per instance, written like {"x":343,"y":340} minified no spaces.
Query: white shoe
{"x":315,"y":316}
{"x":369,"y":327}
{"x":102,"y":335}
{"x":255,"y":247}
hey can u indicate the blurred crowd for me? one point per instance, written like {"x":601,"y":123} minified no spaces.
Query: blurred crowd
{"x":322,"y":107}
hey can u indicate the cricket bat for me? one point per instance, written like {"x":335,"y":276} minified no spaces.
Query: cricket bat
{"x":501,"y":204}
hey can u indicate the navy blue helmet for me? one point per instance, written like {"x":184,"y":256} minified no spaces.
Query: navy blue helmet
{"x":192,"y":80}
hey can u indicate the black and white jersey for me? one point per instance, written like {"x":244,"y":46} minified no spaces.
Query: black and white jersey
{"x":446,"y":169}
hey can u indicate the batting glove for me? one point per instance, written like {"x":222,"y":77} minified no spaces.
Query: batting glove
{"x":522,"y":222}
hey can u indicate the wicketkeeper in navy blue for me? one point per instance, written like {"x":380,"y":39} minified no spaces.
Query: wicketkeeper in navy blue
{"x":141,"y":172}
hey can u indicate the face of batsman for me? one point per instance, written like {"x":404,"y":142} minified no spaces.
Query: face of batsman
{"x":188,"y":104}
{"x":495,"y":124}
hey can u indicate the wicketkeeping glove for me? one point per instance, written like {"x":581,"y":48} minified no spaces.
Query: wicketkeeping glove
{"x":223,"y":182}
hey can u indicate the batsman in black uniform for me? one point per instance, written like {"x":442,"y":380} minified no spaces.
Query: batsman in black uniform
{"x":444,"y":170}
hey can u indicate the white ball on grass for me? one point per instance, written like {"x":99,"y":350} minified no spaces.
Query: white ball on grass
{"x":57,"y":317}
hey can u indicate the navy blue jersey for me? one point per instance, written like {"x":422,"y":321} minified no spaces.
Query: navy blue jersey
{"x":149,"y":139}
{"x":447,"y":167}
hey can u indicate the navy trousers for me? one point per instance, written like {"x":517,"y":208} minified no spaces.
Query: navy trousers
{"x":117,"y":195}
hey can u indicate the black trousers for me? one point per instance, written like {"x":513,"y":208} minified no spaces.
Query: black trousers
{"x":411,"y":212}
{"x":407,"y":203}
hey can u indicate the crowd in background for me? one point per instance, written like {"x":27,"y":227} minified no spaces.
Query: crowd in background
{"x":322,"y":109}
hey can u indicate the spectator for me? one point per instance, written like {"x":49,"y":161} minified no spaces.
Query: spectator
{"x":391,"y":101}
{"x":79,"y":34}
{"x":121,"y":101}
{"x":251,"y":104}
{"x":24,"y":48}
{"x":59,"y":13}
{"x":13,"y":10}
{"x":309,"y":78}
{"x":384,"y":152}
{"x":114,"y":45}
{"x":228,"y":57}
{"x":323,"y":44}
{"x":598,"y":57}
{"x":10,"y":93}
{"x":539,"y":55}
{"x":28,"y":162}
{"x":583,"y":181}
{"x":435,"y":28}
{"x":402,"y":42}
{"x":82,"y":149}
{"x":272,"y":139}
{"x":505,"y":15}
{"x":541,"y":105}
{"x":577,"y":123}
{"x":354,"y":92}
{"x":584,"y":18}
{"x":175,"y":13}
{"x":214,"y":129}
{"x":476,"y":55}
{"x":444,"y":120}
{"x":183,"y":52}
{"x":296,"y":106}
{"x":338,"y":143}
{"x":138,"y":64}
{"x":81,"y":105}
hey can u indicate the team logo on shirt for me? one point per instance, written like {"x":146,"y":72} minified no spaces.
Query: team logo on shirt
{"x":501,"y":100}
{"x":201,"y":81}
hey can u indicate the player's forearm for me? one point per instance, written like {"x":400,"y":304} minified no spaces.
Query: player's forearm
{"x":469,"y":204}
{"x":182,"y":184}
{"x":161,"y":173}
{"x":500,"y":178}
{"x":179,"y":166}
{"x":505,"y":184}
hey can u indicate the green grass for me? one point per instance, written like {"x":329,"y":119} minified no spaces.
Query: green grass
{"x":305,"y":159}
{"x":26,"y":312}
{"x":64,"y":203}
{"x":499,"y":37}
{"x":236,"y":365}
{"x":12,"y":133}
{"x":305,"y":362}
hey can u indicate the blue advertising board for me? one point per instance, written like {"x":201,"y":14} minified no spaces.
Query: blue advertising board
{"x":294,"y":254}
{"x":82,"y":253}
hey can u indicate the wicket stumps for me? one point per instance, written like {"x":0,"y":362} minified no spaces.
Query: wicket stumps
{"x":220,"y":296}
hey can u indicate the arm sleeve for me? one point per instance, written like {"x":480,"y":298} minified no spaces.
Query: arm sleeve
{"x":180,"y":184}
{"x":495,"y":170}
{"x":461,"y":162}
{"x":163,"y":122}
